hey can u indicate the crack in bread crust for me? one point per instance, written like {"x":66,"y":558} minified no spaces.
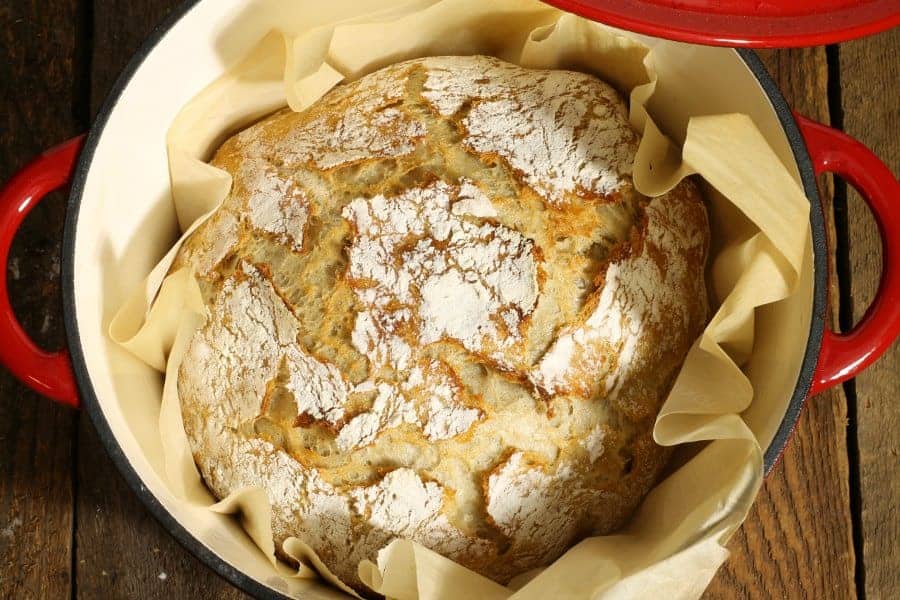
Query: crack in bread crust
{"x":439,"y":310}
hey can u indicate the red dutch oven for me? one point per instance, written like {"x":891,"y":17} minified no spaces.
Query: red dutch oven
{"x":134,"y":121}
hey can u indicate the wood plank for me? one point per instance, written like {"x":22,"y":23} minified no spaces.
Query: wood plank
{"x":39,"y":107}
{"x":122,"y":551}
{"x":797,"y":540}
{"x":870,"y":89}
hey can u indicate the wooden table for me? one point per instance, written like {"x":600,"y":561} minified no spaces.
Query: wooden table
{"x":824,"y":525}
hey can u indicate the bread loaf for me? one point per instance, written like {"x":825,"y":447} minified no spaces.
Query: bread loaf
{"x":439,"y":310}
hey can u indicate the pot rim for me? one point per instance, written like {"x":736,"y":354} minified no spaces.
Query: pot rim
{"x":820,"y":258}
{"x":181,"y":534}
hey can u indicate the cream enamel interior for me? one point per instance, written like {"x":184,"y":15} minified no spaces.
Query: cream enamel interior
{"x":126,"y":223}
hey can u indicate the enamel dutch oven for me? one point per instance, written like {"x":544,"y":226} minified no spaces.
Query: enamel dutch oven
{"x":121,"y":221}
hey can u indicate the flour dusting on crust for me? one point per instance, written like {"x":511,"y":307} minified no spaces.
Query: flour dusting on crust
{"x":565,"y":132}
{"x":438,"y":310}
{"x":370,"y":127}
{"x":423,"y":270}
{"x":441,"y":411}
{"x":389,"y":410}
{"x":240,"y":356}
{"x":531,"y":506}
{"x":472,"y":201}
{"x":640,"y":295}
{"x":275,"y":204}
{"x":593,"y":443}
{"x":223,"y":235}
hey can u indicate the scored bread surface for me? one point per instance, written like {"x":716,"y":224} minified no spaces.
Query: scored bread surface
{"x":438,"y":310}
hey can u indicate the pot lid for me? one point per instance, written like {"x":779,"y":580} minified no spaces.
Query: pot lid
{"x":747,"y":23}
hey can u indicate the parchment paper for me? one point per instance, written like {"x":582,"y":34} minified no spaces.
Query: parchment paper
{"x":675,"y":542}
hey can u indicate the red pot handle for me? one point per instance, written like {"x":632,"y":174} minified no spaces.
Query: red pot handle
{"x":49,"y":373}
{"x":843,"y":355}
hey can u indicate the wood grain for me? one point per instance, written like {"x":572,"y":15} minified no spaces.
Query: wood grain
{"x":870,"y":99}
{"x":41,"y":49}
{"x":122,"y":551}
{"x":797,"y":541}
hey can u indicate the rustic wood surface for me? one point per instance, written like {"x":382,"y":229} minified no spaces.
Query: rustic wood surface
{"x":39,"y":107}
{"x":825,"y":524}
{"x":870,"y":102}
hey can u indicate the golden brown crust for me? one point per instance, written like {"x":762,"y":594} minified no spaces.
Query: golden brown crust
{"x":439,"y":310}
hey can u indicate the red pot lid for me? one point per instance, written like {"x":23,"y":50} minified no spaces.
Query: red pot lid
{"x":749,"y":23}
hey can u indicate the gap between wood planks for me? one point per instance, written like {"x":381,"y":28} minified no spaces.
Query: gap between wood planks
{"x":81,"y":107}
{"x":845,"y":321}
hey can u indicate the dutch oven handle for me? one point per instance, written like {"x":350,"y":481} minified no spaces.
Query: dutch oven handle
{"x":843,"y":355}
{"x":49,"y":373}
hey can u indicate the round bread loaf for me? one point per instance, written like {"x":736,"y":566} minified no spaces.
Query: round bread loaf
{"x":438,"y":310}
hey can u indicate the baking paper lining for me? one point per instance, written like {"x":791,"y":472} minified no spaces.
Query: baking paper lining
{"x":675,"y":542}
